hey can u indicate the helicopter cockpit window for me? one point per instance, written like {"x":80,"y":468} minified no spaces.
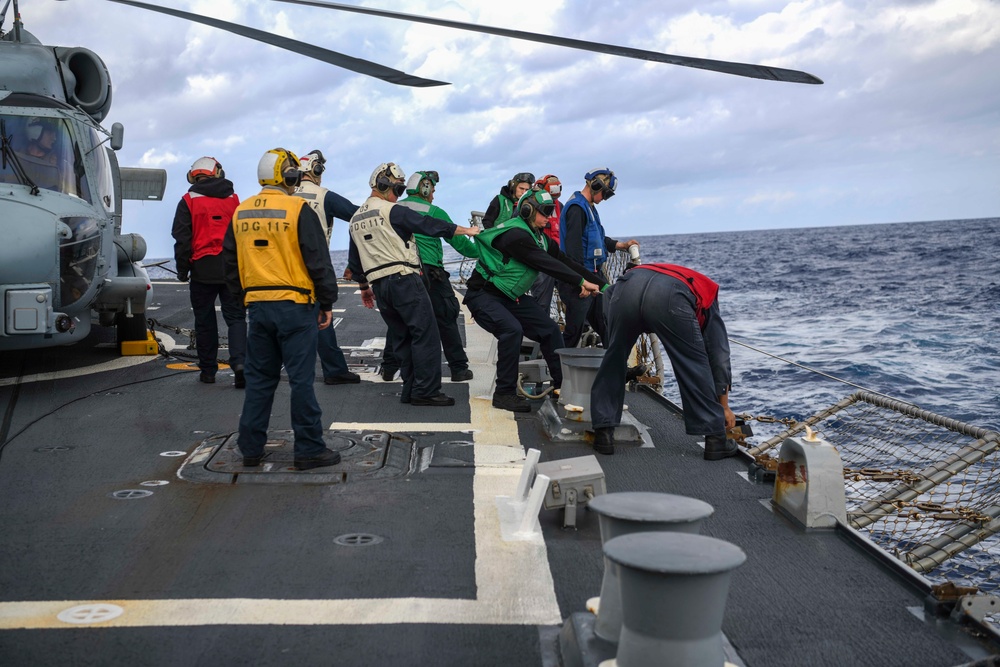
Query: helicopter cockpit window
{"x":45,"y":149}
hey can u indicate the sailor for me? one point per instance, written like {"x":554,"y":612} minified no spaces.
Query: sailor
{"x":41,"y":157}
{"x":510,"y":256}
{"x":582,"y":238}
{"x":277,"y":257}
{"x":328,"y":205}
{"x":680,"y":306}
{"x":203,"y":215}
{"x":502,"y":206}
{"x":383,"y":258}
{"x":544,"y":283}
{"x":420,"y":197}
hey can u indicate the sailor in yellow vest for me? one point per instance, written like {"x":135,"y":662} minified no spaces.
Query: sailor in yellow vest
{"x":277,"y":258}
{"x":383,"y":258}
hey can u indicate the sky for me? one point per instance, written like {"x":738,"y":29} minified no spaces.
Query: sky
{"x":906,"y":126}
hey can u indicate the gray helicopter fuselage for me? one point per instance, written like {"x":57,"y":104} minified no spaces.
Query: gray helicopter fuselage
{"x":63,"y":259}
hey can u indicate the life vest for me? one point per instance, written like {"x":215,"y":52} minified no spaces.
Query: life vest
{"x":705,"y":289}
{"x":210,"y":216}
{"x":382,"y":251}
{"x":266,"y":228}
{"x":511,"y":276}
{"x":315,"y":196}
{"x":506,"y":208}
{"x":593,"y":232}
{"x":552,"y":229}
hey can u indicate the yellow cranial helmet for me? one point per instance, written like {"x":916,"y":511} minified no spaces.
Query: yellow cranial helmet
{"x":279,"y":167}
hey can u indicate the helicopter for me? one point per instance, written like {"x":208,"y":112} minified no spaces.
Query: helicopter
{"x":67,"y":263}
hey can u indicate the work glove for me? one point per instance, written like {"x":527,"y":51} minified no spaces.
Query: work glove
{"x":182,"y":276}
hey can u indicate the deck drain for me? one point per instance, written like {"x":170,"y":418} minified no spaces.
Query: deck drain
{"x":154,"y":482}
{"x":54,"y":448}
{"x":357,"y":540}
{"x":130,"y":494}
{"x":172,"y":453}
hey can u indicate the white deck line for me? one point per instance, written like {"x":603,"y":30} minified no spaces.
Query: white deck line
{"x":513,"y":581}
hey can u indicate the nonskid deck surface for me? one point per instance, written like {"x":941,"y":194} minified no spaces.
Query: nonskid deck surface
{"x":404,"y":569}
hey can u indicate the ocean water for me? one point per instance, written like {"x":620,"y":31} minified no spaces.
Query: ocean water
{"x":911,"y":310}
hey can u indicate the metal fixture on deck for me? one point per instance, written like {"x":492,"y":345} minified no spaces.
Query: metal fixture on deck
{"x":585,"y":640}
{"x":569,"y":419}
{"x":810,"y":482}
{"x":673,"y":590}
{"x":573,"y":483}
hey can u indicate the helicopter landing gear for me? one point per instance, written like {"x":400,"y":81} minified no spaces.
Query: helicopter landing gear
{"x":130,"y":328}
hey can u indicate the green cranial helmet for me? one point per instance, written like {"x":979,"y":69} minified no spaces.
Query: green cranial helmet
{"x":535,"y":200}
{"x":422,"y":183}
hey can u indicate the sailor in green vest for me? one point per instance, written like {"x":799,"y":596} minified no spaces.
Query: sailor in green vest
{"x":420,"y":190}
{"x":502,"y":206}
{"x":511,"y":254}
{"x":383,"y":259}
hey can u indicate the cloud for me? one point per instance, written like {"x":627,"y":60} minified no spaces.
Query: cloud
{"x":904,"y":128}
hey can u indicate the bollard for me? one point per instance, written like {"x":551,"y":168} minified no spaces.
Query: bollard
{"x":673,"y":591}
{"x":636,"y":512}
{"x":579,"y":367}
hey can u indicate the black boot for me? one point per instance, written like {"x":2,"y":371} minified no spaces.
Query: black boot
{"x":511,"y":402}
{"x":718,"y":446}
{"x":604,"y":442}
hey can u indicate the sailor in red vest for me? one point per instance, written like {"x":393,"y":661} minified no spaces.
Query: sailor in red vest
{"x":680,"y":306}
{"x":545,"y":284}
{"x":200,"y":223}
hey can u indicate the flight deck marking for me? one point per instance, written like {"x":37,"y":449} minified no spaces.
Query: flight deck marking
{"x":112,"y":365}
{"x":514,"y":584}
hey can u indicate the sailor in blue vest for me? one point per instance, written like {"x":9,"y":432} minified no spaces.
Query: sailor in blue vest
{"x":582,"y":238}
{"x":680,"y":306}
{"x":510,"y":256}
{"x":328,"y":205}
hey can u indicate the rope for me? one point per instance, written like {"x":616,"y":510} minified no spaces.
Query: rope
{"x":817,"y":372}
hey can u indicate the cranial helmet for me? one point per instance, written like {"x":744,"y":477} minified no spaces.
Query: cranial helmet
{"x":602,"y":180}
{"x":522,"y":177}
{"x":208,"y":167}
{"x":388,"y":175}
{"x":550,"y":184}
{"x":279,"y":167}
{"x":422,"y":183}
{"x":535,"y":200}
{"x":38,"y":125}
{"x":313,"y":163}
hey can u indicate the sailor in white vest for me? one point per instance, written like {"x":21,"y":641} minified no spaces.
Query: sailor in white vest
{"x":328,"y":205}
{"x":383,"y":258}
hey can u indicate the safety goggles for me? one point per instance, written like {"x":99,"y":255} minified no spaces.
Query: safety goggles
{"x":547,"y":210}
{"x":524,"y":177}
{"x":433,"y":175}
{"x":598,"y":185}
{"x":398,"y":189}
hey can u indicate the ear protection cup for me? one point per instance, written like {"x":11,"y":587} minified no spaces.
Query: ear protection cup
{"x":318,"y":168}
{"x":34,"y":131}
{"x":426,"y":187}
{"x":526,"y":212}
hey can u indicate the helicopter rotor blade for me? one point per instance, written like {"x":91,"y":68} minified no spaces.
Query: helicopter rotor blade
{"x":339,"y":59}
{"x":726,"y":67}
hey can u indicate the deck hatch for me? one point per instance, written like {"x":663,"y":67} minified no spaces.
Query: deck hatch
{"x":365,"y":455}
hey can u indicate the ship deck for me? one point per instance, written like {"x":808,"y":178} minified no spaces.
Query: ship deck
{"x":362,"y":569}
